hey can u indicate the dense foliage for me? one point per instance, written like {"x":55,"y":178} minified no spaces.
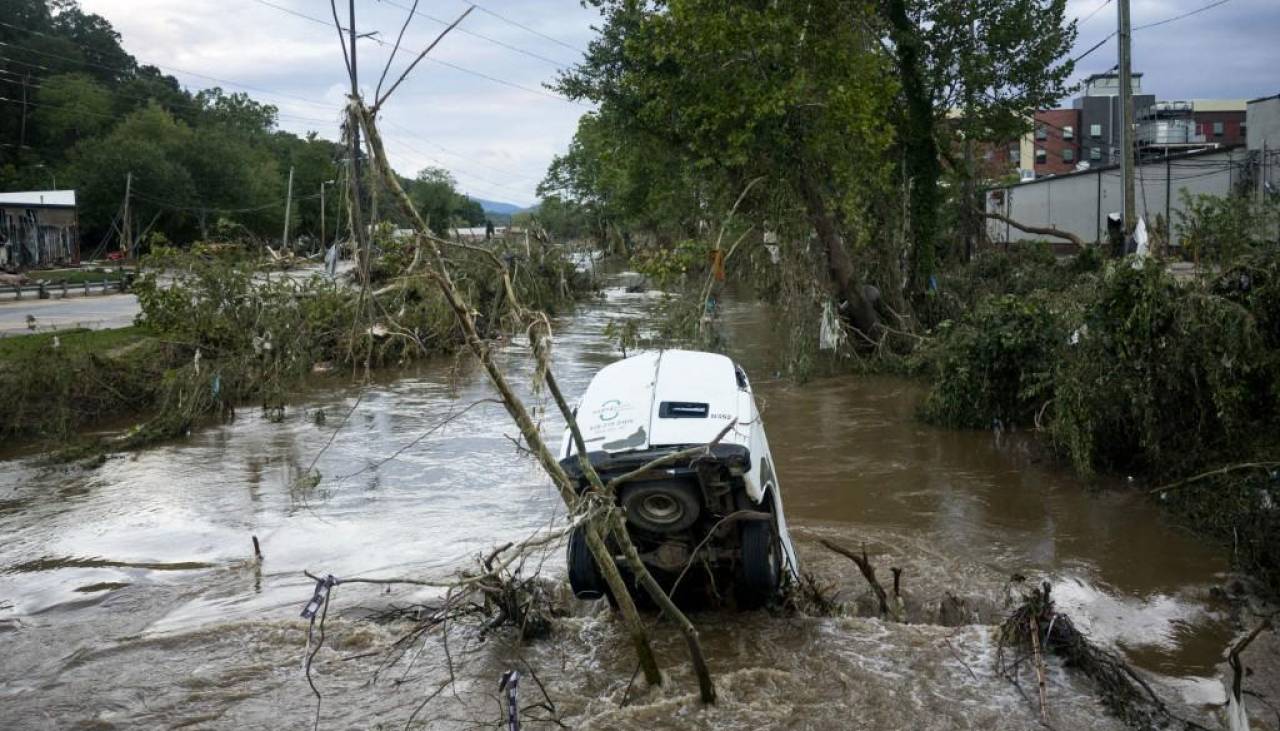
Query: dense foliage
{"x":78,"y":109}
{"x":1131,"y":370}
{"x":844,"y":109}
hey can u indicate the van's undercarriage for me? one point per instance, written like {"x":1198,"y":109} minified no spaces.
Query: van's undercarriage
{"x":693,"y":522}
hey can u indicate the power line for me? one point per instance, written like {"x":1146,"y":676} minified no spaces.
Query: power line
{"x":463,"y":69}
{"x":474,"y":34}
{"x":180,"y":105}
{"x":1144,"y":26}
{"x":160,"y":66}
{"x":1095,"y":47}
{"x":526,"y":28}
{"x":464,"y":173}
{"x":1184,"y":15}
{"x":1093,"y":12}
{"x":501,"y":171}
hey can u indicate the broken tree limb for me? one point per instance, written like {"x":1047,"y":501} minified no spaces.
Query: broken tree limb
{"x":868,"y":572}
{"x":1042,"y":230}
{"x":514,"y":405}
{"x":1214,"y":473}
{"x":1233,"y":659}
{"x":540,"y":336}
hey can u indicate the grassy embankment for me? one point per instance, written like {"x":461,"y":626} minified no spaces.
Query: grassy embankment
{"x":220,"y":337}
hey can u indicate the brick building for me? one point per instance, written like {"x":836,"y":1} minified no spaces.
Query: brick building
{"x":1055,"y":141}
{"x":1220,"y":121}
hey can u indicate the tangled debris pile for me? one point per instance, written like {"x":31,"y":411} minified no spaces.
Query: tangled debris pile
{"x":218,"y":330}
{"x":1035,"y":629}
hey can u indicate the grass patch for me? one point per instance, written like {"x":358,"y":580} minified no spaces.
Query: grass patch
{"x":77,"y":341}
{"x":76,"y":276}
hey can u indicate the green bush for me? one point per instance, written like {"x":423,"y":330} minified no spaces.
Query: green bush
{"x":996,"y":364}
{"x":1160,"y":378}
{"x":1217,"y":229}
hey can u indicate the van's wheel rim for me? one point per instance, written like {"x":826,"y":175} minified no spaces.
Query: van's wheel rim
{"x":661,"y":509}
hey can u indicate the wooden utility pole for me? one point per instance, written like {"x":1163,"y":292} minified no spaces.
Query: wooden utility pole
{"x":22,"y":136}
{"x":126,"y":241}
{"x":1126,"y":116}
{"x":288,"y":208}
{"x":322,"y":241}
{"x":362,"y":235}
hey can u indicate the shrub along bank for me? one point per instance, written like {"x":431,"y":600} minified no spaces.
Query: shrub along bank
{"x":217,"y":332}
{"x":1126,"y":369}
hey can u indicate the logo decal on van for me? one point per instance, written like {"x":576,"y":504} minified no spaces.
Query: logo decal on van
{"x":609,"y":410}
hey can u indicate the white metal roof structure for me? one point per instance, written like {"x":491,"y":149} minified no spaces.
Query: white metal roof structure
{"x":39,"y":198}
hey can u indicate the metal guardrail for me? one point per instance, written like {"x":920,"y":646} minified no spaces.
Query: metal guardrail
{"x":45,"y":291}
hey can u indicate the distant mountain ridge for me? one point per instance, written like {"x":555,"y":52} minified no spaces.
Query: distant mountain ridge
{"x":498,"y":207}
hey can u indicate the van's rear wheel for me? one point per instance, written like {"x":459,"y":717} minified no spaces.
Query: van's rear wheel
{"x":661,"y":507}
{"x":760,"y":570}
{"x":584,"y":576}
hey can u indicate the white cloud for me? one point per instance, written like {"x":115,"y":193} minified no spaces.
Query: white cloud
{"x":499,"y":139}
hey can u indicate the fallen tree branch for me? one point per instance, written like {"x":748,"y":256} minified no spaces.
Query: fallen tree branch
{"x":1042,"y":230}
{"x":1214,"y":473}
{"x":868,"y":572}
{"x":1233,"y":659}
{"x":516,"y":408}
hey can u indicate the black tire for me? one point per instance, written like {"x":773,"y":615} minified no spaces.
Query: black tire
{"x":760,"y":571}
{"x":584,"y":576}
{"x":661,"y":507}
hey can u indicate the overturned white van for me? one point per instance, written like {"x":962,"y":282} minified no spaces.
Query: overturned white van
{"x":716,"y":517}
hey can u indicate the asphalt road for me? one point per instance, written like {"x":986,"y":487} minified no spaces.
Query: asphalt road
{"x":96,"y":312}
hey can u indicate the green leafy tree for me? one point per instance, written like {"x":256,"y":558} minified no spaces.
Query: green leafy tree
{"x":149,"y":144}
{"x":996,"y":62}
{"x":69,"y":108}
{"x":795,"y":93}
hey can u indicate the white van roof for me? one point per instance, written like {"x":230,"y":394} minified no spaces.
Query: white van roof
{"x":658,"y":399}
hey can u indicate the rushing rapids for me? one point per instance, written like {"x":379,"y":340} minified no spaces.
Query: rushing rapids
{"x":128,"y":597}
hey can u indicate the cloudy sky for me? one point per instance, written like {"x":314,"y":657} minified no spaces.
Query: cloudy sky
{"x":477,"y":105}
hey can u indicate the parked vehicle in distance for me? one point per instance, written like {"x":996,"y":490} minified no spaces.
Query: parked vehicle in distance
{"x":717,"y":516}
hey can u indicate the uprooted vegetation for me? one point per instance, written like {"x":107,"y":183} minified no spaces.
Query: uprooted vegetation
{"x":1130,"y":370}
{"x":219,"y":331}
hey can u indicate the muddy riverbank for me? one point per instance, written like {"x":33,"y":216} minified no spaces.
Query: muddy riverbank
{"x":128,"y":597}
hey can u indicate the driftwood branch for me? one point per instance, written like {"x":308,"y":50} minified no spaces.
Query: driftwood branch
{"x":528,"y":428}
{"x":1214,"y":473}
{"x":1042,"y":230}
{"x":868,"y":572}
{"x":670,"y":458}
{"x":1233,"y":659}
{"x":540,"y":338}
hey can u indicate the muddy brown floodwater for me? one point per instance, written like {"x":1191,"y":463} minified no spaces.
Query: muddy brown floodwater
{"x":127,"y":598}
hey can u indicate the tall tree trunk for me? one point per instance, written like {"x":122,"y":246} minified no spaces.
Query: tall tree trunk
{"x":846,"y":285}
{"x":921,"y":147}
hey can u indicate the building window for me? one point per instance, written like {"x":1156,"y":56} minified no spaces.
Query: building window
{"x":1218,"y":129}
{"x":1015,"y":155}
{"x":1068,"y":132}
{"x":1095,"y":131}
{"x":1041,"y":156}
{"x":1095,"y":153}
{"x":1068,"y":154}
{"x":1041,"y":132}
